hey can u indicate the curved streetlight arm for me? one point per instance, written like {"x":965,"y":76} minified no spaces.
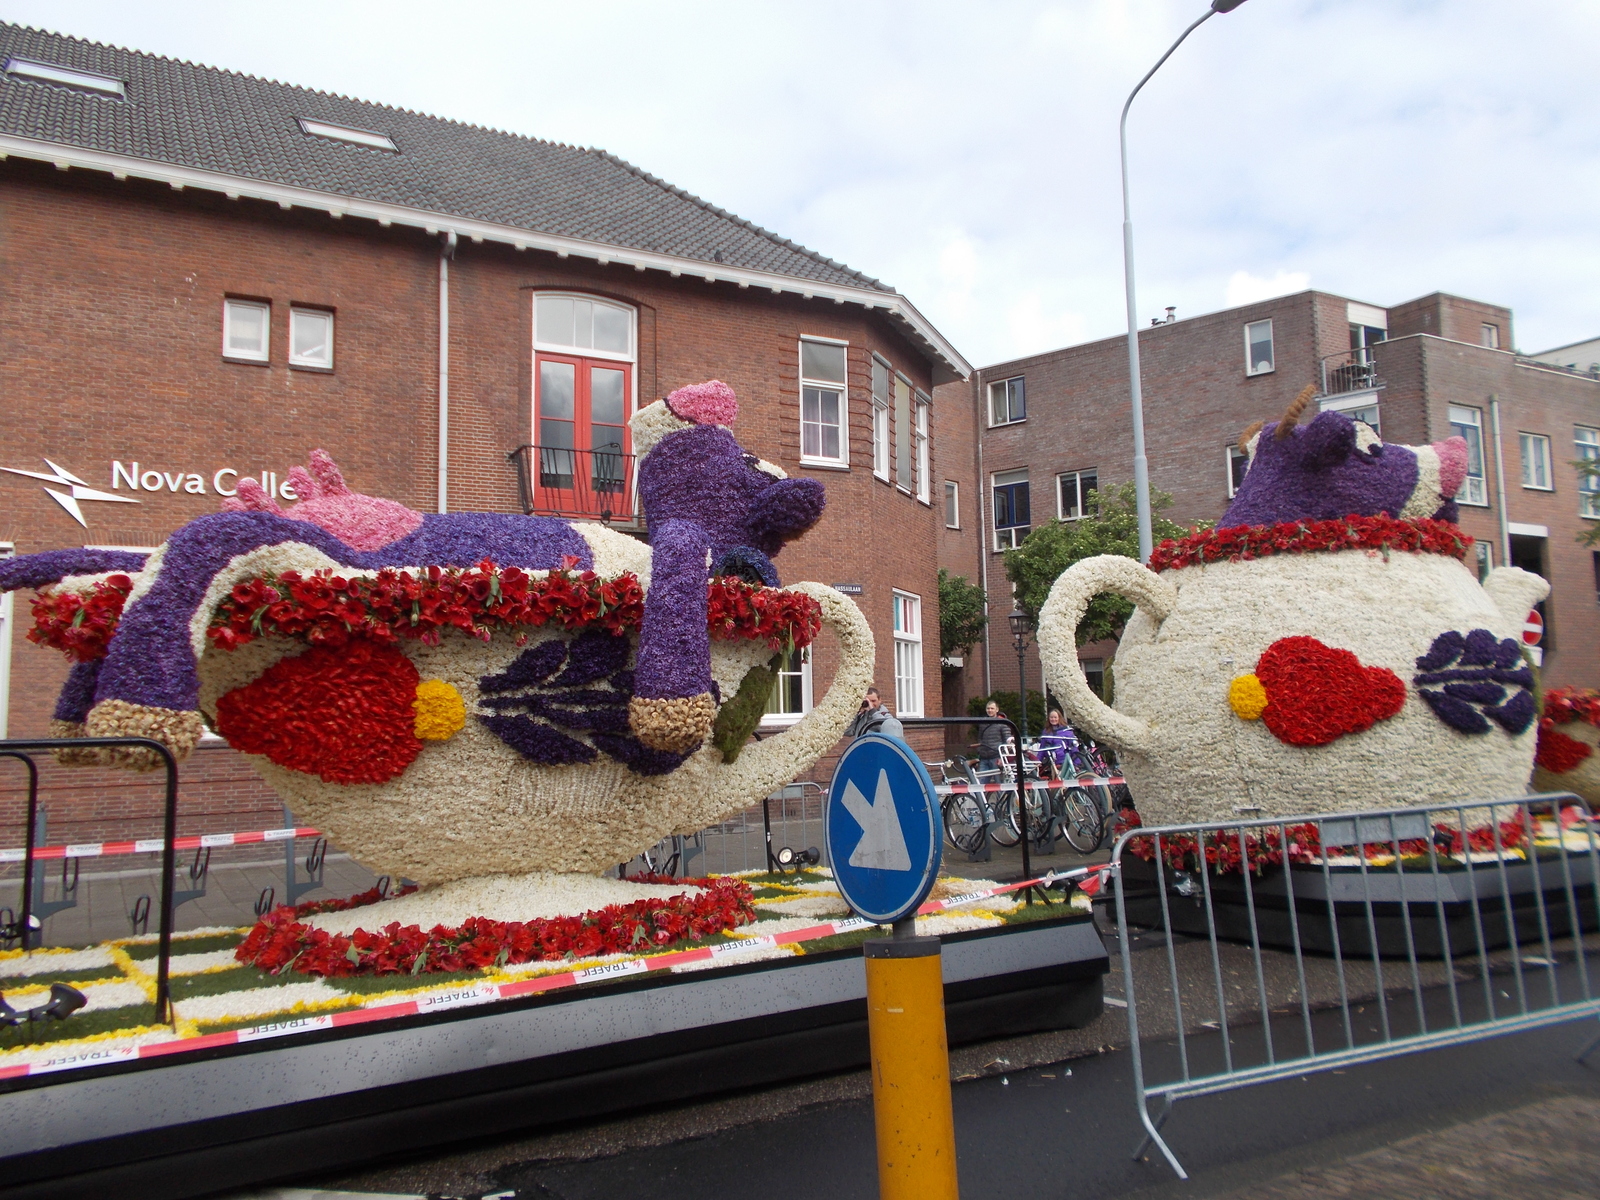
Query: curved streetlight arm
{"x":1141,"y":464}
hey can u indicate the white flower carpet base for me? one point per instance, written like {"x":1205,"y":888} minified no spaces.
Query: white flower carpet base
{"x":212,"y":991}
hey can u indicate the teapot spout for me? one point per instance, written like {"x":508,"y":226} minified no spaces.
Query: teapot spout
{"x":1515,"y":591}
{"x":763,"y":767}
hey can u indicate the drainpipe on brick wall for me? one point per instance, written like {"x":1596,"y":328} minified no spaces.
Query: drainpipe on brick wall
{"x":447,"y":251}
{"x":983,"y":544}
{"x":1500,"y":482}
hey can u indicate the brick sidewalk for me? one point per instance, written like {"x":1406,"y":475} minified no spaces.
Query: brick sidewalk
{"x":1546,"y":1149}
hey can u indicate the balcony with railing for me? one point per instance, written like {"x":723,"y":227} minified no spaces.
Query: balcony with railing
{"x":1350,"y":371}
{"x":596,"y":485}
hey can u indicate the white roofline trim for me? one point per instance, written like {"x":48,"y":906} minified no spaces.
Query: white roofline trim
{"x":288,"y":196}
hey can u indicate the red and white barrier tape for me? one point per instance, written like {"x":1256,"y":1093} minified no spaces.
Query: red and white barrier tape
{"x":960,"y":786}
{"x":154,"y":845}
{"x":1088,"y":879}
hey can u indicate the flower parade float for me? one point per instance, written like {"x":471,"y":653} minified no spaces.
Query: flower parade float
{"x":1325,"y":649}
{"x":498,"y":708}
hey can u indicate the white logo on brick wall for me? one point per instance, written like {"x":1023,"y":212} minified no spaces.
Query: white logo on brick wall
{"x":69,"y":499}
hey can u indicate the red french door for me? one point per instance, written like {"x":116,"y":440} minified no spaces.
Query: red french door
{"x":582,"y":445}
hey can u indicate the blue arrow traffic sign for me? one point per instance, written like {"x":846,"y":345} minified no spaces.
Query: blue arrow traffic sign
{"x":882,"y":828}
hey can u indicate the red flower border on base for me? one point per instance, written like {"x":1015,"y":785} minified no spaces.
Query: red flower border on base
{"x":279,"y":942}
{"x":326,"y":609}
{"x":1242,"y":543}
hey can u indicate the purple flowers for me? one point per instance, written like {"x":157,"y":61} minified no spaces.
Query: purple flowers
{"x":550,"y":688}
{"x":1471,"y":674}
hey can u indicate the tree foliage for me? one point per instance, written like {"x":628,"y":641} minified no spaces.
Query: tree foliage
{"x":1112,"y":527}
{"x":961,"y":614}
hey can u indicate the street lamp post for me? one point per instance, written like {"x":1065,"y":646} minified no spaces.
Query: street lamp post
{"x":1141,"y":465}
{"x":1019,"y":634}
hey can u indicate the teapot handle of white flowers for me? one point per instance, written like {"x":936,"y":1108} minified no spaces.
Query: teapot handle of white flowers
{"x":1058,"y":640}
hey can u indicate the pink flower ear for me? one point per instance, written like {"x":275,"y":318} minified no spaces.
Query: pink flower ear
{"x":709,"y":403}
{"x":303,"y":485}
{"x":328,"y":474}
{"x":1452,"y":454}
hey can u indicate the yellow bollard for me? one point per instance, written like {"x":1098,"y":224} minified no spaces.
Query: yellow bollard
{"x":910,"y":1070}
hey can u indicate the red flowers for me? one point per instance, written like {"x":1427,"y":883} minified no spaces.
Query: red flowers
{"x":280,"y":943}
{"x":1316,"y":694}
{"x":80,"y":625}
{"x":1242,"y":543}
{"x":342,"y":713}
{"x":736,"y":609}
{"x":1271,"y":845}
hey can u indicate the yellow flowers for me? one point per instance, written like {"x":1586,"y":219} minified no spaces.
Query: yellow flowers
{"x":1247,"y":697}
{"x":441,"y":713}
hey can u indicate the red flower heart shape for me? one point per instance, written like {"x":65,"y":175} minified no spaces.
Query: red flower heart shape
{"x":1316,"y":694}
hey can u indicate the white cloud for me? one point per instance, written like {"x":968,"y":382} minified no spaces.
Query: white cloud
{"x":967,"y":154}
{"x":1245,"y":288}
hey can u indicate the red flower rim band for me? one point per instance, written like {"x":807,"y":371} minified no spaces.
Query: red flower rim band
{"x":325,"y":608}
{"x":1243,"y":543}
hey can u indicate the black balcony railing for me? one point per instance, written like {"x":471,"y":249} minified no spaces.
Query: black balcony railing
{"x":1350,"y":371}
{"x":560,"y":482}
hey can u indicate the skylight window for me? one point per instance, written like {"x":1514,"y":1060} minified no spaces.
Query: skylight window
{"x":344,"y":133}
{"x":67,"y":76}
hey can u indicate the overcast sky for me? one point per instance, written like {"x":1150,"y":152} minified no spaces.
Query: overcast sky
{"x":967,"y":153}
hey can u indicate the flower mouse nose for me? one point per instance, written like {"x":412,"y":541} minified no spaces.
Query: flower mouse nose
{"x":783,"y":511}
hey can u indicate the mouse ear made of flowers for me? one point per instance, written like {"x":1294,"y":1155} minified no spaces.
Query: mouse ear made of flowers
{"x":327,"y":608}
{"x":1243,"y":543}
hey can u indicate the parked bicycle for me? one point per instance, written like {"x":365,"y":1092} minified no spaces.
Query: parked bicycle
{"x":974,"y":815}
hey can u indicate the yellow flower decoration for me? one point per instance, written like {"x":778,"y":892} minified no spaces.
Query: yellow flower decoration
{"x":441,"y":712}
{"x":1247,"y":697}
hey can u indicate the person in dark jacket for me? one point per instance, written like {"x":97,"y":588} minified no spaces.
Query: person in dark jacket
{"x":990,"y":739}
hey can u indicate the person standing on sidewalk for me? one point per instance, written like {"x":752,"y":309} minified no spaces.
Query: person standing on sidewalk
{"x":990,"y":739}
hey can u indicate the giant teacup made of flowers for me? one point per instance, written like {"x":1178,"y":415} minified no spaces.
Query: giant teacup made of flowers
{"x":1326,"y":648}
{"x":454,"y":696}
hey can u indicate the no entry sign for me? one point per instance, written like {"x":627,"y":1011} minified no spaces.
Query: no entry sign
{"x":1533,"y":629}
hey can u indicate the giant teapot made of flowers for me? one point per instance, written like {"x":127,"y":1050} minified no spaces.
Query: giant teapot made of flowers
{"x":455,"y":695}
{"x":1325,"y":649}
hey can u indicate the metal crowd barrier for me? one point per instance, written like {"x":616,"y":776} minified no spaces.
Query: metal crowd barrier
{"x":1356,"y":937}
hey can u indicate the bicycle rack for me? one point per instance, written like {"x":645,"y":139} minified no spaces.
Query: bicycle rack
{"x":199,"y":873}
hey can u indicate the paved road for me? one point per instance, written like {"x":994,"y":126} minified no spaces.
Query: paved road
{"x":1512,"y":1117}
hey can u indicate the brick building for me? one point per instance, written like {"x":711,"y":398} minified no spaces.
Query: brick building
{"x":1053,"y":426}
{"x":207,"y":275}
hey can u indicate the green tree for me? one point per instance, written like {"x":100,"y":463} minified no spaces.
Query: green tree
{"x":961,"y":614}
{"x":1112,"y":527}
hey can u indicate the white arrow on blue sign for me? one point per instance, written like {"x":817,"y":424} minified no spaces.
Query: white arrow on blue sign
{"x":882,"y":828}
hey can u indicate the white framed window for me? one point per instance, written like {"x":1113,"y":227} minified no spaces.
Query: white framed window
{"x":919,"y":437}
{"x":952,"y":504}
{"x":1011,"y":511}
{"x":246,"y":330}
{"x":1258,"y":359}
{"x":1008,"y":401}
{"x":567,"y":323}
{"x":880,"y":418}
{"x":823,"y":437}
{"x":370,"y":138}
{"x":907,"y":655}
{"x":1588,"y":446}
{"x":1073,"y":489}
{"x":1467,"y":423}
{"x":1363,"y":406}
{"x":791,"y":692}
{"x":1489,"y":335}
{"x":1485,"y":559}
{"x":903,"y":469}
{"x":1238,"y":464}
{"x":311,"y":338}
{"x":1535,"y":461}
{"x":88,"y":81}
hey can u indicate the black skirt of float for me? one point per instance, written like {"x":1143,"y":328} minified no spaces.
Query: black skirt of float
{"x":191,"y":1124}
{"x":1432,"y":910}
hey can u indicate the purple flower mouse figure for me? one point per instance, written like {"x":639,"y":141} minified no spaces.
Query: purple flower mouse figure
{"x":711,"y":509}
